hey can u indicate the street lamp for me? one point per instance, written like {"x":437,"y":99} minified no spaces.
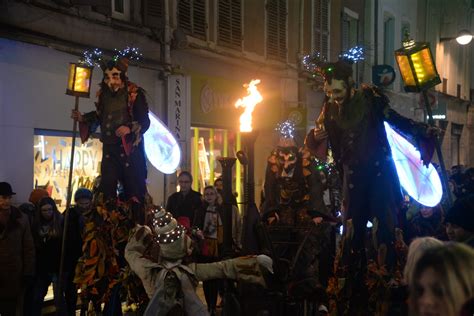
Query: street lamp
{"x":464,"y":37}
{"x":419,"y":73}
{"x":79,"y":85}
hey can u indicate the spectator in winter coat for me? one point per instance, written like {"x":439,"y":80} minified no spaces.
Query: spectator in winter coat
{"x":17,"y":253}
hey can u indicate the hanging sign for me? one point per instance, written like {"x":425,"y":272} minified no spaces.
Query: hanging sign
{"x":383,"y":75}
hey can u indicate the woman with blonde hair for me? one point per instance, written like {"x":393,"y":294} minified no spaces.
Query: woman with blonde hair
{"x":417,"y":247}
{"x":209,"y":218}
{"x":442,"y":281}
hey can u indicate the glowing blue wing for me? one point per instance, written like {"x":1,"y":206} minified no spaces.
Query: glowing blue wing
{"x":162,"y":149}
{"x":421,"y":183}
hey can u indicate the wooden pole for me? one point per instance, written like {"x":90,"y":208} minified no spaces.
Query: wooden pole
{"x":68,"y":203}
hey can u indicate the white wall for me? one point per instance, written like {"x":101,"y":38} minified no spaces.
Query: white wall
{"x":32,"y":95}
{"x":403,"y":11}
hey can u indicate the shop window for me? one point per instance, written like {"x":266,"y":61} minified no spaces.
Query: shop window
{"x":230,"y":23}
{"x":192,"y":17}
{"x":207,"y":145}
{"x":276,"y":25}
{"x":321,"y":26}
{"x":52,"y":155}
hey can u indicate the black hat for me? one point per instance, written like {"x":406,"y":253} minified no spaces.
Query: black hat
{"x":462,"y":213}
{"x":6,"y":189}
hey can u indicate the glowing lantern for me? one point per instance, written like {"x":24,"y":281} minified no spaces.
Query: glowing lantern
{"x":416,"y":66}
{"x":249,"y":102}
{"x":79,"y":81}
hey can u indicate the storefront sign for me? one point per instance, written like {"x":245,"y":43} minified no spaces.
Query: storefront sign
{"x":179,"y":109}
{"x":213,"y":102}
{"x":297,"y":116}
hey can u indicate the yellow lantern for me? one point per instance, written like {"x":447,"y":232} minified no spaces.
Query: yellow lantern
{"x":417,"y":67}
{"x":79,"y":81}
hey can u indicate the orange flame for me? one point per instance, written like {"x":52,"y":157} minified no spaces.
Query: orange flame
{"x":249,"y":102}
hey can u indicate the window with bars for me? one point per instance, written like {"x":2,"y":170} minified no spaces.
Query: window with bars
{"x":276,"y":23}
{"x":192,"y":17}
{"x":321,"y":27}
{"x":229,"y":24}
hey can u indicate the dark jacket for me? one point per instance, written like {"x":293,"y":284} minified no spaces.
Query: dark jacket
{"x":17,"y":255}
{"x":48,"y":252}
{"x":180,"y":205}
{"x":73,"y":250}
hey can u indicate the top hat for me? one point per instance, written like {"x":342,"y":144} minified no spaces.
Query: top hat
{"x":6,"y":189}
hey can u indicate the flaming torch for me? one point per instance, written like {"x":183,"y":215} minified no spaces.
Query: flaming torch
{"x":246,"y":157}
{"x":248,"y":103}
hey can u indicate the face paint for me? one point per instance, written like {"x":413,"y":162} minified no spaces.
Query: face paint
{"x":336,"y":91}
{"x":287,"y":159}
{"x":112,"y":79}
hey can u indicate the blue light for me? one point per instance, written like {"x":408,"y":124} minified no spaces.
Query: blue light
{"x":421,"y":183}
{"x":353,"y":54}
{"x":162,"y":149}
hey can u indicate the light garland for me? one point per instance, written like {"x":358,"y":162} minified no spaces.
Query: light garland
{"x":353,"y":54}
{"x":92,"y":57}
{"x":286,"y":129}
{"x":313,"y":63}
{"x":131,"y":53}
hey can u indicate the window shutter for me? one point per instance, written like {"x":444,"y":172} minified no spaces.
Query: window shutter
{"x":199,"y":18}
{"x":321,"y":27}
{"x":184,"y":15}
{"x":276,"y":29}
{"x":229,"y":23}
{"x":325,"y":27}
{"x":192,"y":17}
{"x":153,"y":13}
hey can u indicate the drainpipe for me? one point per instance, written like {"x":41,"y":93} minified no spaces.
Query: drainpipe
{"x":301,"y":33}
{"x":376,"y":33}
{"x":166,"y":59}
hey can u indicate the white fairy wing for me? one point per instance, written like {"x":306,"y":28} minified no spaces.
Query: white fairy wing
{"x":422,"y":183}
{"x":162,"y":149}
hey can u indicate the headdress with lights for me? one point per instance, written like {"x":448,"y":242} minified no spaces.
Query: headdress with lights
{"x":341,"y":69}
{"x":120,"y":60}
{"x":166,"y":227}
{"x":170,"y":235}
{"x":286,"y":131}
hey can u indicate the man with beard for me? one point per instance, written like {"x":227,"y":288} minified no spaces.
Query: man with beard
{"x":122,"y":113}
{"x":352,"y":124}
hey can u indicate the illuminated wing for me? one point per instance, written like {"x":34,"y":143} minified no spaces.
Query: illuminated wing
{"x":161,"y":148}
{"x":421,"y":183}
